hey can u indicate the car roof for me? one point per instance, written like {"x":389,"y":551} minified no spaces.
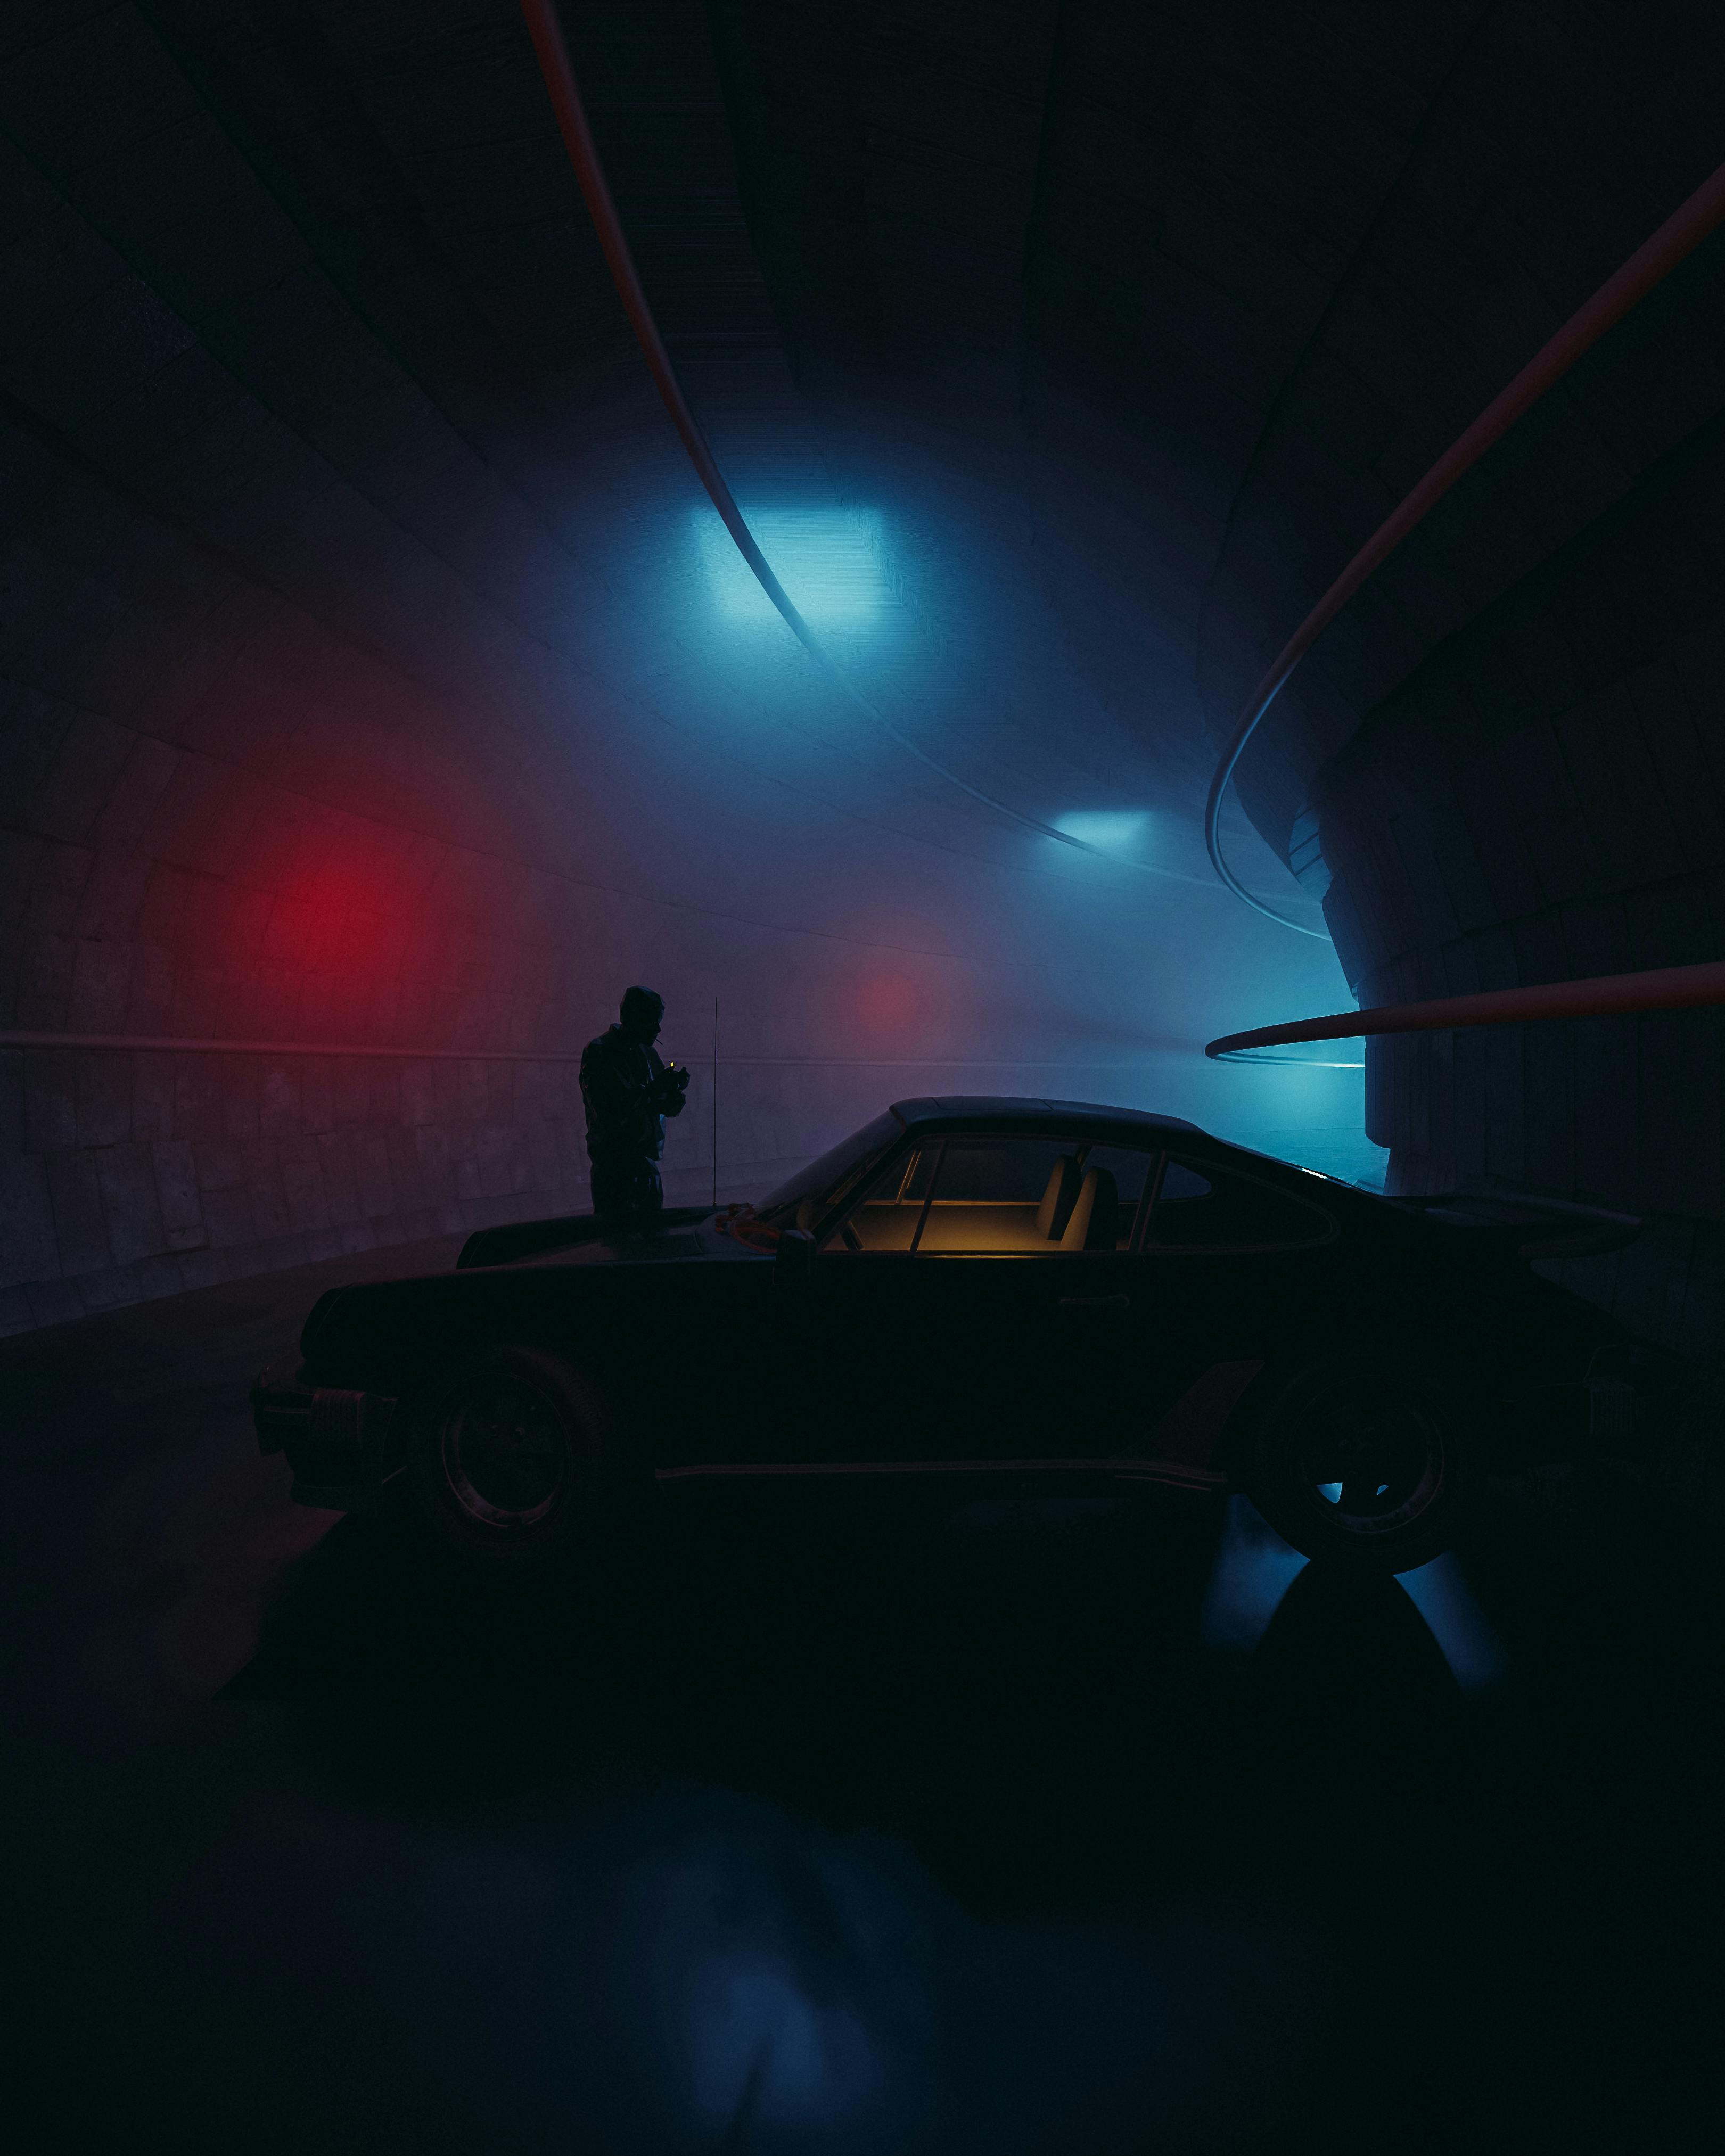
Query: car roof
{"x":972,"y":1108}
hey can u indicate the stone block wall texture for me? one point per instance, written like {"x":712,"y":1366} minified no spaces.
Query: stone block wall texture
{"x":1492,"y":234}
{"x":1511,"y":738}
{"x":130,"y":1175}
{"x":338,"y":700}
{"x":125,"y":1175}
{"x":1544,"y":799}
{"x":358,"y":686}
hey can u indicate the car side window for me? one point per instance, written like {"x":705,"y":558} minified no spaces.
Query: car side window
{"x":886,"y":1217}
{"x":1204,"y":1207}
{"x":1129,"y":1170}
{"x":1000,"y":1197}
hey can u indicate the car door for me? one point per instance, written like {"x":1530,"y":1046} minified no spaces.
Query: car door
{"x":1233,"y":1264}
{"x":1091,"y":1295}
{"x":976,"y":1303}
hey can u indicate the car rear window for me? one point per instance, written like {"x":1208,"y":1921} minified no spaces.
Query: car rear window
{"x":1203,"y":1207}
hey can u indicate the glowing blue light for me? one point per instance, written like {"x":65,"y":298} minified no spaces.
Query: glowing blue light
{"x":1108,"y":828}
{"x":829,"y":560}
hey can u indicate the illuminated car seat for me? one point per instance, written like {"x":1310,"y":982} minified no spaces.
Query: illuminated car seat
{"x":1058,"y":1200}
{"x":1094,"y":1224}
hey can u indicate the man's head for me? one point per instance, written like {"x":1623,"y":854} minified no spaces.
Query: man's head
{"x":642,"y":1013}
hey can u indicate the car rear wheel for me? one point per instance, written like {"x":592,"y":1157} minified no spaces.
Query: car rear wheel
{"x":511,"y":1456}
{"x":1369,"y":1457}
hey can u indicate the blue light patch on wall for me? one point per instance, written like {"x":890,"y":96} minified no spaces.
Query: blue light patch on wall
{"x":1104,"y":827}
{"x":829,"y":560}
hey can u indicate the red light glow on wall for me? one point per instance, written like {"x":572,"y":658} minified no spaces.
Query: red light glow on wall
{"x":887,"y":1004}
{"x":341,"y":922}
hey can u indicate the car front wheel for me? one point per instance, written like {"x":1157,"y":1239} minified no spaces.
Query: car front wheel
{"x":1369,"y":1457}
{"x":510,"y":1456}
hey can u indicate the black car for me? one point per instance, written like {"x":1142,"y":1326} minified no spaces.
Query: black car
{"x":1036,"y":1290}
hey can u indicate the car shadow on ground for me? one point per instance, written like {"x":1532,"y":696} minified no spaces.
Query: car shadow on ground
{"x":959,"y":1672}
{"x":855,"y":1820}
{"x":826,"y":1818}
{"x":920,"y":1823}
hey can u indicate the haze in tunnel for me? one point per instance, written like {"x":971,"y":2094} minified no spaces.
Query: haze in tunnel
{"x":370,"y":685}
{"x":381,"y":696}
{"x":368,"y":690}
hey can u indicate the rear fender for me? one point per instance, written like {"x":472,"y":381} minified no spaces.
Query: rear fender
{"x":1514,"y":1226}
{"x":1190,"y":1434}
{"x":1471,"y":1368}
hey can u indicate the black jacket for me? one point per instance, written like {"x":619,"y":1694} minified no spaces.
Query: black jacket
{"x":626,"y":1101}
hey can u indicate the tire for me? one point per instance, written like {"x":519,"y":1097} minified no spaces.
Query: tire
{"x":1369,"y":1457}
{"x":513,"y":1457}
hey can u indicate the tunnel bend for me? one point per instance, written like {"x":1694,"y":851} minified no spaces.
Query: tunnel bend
{"x":367,"y":688}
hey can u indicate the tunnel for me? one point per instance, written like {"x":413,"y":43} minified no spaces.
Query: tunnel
{"x":822,"y":558}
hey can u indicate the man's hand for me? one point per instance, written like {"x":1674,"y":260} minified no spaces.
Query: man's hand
{"x":668,"y":1089}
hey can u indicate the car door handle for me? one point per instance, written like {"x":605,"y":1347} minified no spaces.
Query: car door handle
{"x":1096,"y":1302}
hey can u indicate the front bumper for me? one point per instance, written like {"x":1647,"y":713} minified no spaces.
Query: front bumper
{"x":336,"y":1443}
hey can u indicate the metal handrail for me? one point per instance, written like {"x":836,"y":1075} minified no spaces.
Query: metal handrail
{"x":558,"y":71}
{"x":155,"y":1044}
{"x":1681,"y":233}
{"x":1605,"y":995}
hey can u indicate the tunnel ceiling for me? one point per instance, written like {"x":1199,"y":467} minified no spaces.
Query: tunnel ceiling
{"x":1223,"y":281}
{"x":347,"y":542}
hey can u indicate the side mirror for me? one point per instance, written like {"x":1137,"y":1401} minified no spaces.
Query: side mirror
{"x":793,"y":1260}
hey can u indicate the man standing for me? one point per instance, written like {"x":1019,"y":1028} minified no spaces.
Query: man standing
{"x":628,"y":1093}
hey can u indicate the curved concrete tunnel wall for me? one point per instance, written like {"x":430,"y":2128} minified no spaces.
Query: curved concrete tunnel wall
{"x":364,"y":686}
{"x":324,"y":726}
{"x":1502,"y":766}
{"x":1557,"y":812}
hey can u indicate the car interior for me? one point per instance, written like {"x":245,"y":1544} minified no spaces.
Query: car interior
{"x":964,"y":1197}
{"x":1033,"y":1198}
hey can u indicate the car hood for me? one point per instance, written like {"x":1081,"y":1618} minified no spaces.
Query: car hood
{"x":566,"y":1234}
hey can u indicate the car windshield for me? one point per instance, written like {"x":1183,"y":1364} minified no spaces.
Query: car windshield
{"x":814,"y":1191}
